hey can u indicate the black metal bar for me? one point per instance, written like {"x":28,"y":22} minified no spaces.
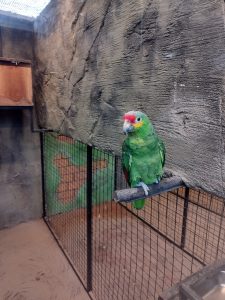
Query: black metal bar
{"x":43,"y":174}
{"x":115,"y":172}
{"x":132,"y":194}
{"x":184,"y":224}
{"x":89,"y":218}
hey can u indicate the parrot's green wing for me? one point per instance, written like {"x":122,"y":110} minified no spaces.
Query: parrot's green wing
{"x":137,"y":168}
{"x":126,"y":165}
{"x":126,"y":162}
{"x":162,"y":150}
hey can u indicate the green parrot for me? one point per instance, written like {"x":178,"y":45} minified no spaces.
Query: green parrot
{"x":143,"y":153}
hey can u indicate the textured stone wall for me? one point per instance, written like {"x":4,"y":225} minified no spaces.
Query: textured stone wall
{"x":20,"y":166}
{"x":95,"y":60}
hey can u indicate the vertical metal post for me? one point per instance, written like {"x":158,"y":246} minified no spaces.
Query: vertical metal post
{"x":89,"y":218}
{"x":43,"y":174}
{"x":115,"y":172}
{"x":185,"y":211}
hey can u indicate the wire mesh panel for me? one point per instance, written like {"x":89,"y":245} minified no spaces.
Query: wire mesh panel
{"x":103,"y":187}
{"x":65,"y":193}
{"x":136,"y":259}
{"x":205,"y":227}
{"x":120,"y":252}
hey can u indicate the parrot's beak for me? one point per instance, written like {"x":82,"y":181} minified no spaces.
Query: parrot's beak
{"x":127,"y":127}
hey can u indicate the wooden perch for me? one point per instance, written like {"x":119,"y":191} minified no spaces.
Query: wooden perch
{"x":165,"y":185}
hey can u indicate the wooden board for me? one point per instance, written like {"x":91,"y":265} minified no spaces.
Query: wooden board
{"x":15,"y":85}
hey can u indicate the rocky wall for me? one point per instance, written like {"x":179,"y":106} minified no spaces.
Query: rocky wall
{"x":95,"y":60}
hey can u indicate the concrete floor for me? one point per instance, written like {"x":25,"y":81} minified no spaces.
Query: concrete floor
{"x":32,"y":267}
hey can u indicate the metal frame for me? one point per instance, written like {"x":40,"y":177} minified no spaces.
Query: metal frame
{"x":185,"y":212}
{"x":182,"y":216}
{"x":89,"y":218}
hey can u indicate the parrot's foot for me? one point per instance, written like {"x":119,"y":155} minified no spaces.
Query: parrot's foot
{"x":145,"y":187}
{"x":157,"y":180}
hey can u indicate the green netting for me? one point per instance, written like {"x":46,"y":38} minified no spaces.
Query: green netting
{"x":75,"y":154}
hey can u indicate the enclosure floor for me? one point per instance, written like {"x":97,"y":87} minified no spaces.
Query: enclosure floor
{"x":32,"y":267}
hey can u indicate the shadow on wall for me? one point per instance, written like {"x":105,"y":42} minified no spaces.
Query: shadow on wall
{"x":20,"y":169}
{"x":12,"y":122}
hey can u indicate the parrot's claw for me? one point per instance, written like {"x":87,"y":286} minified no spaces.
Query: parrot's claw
{"x":145,"y":187}
{"x":157,"y":180}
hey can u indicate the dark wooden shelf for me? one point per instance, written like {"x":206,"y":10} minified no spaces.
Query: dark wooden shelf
{"x":14,"y":60}
{"x":16,"y":107}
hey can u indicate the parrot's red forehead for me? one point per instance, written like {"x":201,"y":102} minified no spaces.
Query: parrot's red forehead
{"x":129,"y":117}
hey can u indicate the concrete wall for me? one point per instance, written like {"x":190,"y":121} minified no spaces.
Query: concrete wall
{"x":95,"y":60}
{"x":20,"y":167}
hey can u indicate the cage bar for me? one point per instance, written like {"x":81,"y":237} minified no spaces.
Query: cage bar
{"x":120,"y":253}
{"x":89,"y":218}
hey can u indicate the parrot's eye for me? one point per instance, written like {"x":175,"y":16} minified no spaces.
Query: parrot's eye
{"x":138,"y":119}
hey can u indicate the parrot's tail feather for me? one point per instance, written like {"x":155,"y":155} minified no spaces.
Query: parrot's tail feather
{"x":138,"y":204}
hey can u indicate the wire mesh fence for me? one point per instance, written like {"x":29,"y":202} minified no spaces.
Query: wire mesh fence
{"x":119,"y":252}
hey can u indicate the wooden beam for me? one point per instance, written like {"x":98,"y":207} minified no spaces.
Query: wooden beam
{"x":132,"y":194}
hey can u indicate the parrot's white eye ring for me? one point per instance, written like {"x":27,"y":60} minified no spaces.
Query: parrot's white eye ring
{"x":138,"y":119}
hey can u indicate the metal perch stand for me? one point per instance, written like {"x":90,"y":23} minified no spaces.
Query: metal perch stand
{"x":165,"y":185}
